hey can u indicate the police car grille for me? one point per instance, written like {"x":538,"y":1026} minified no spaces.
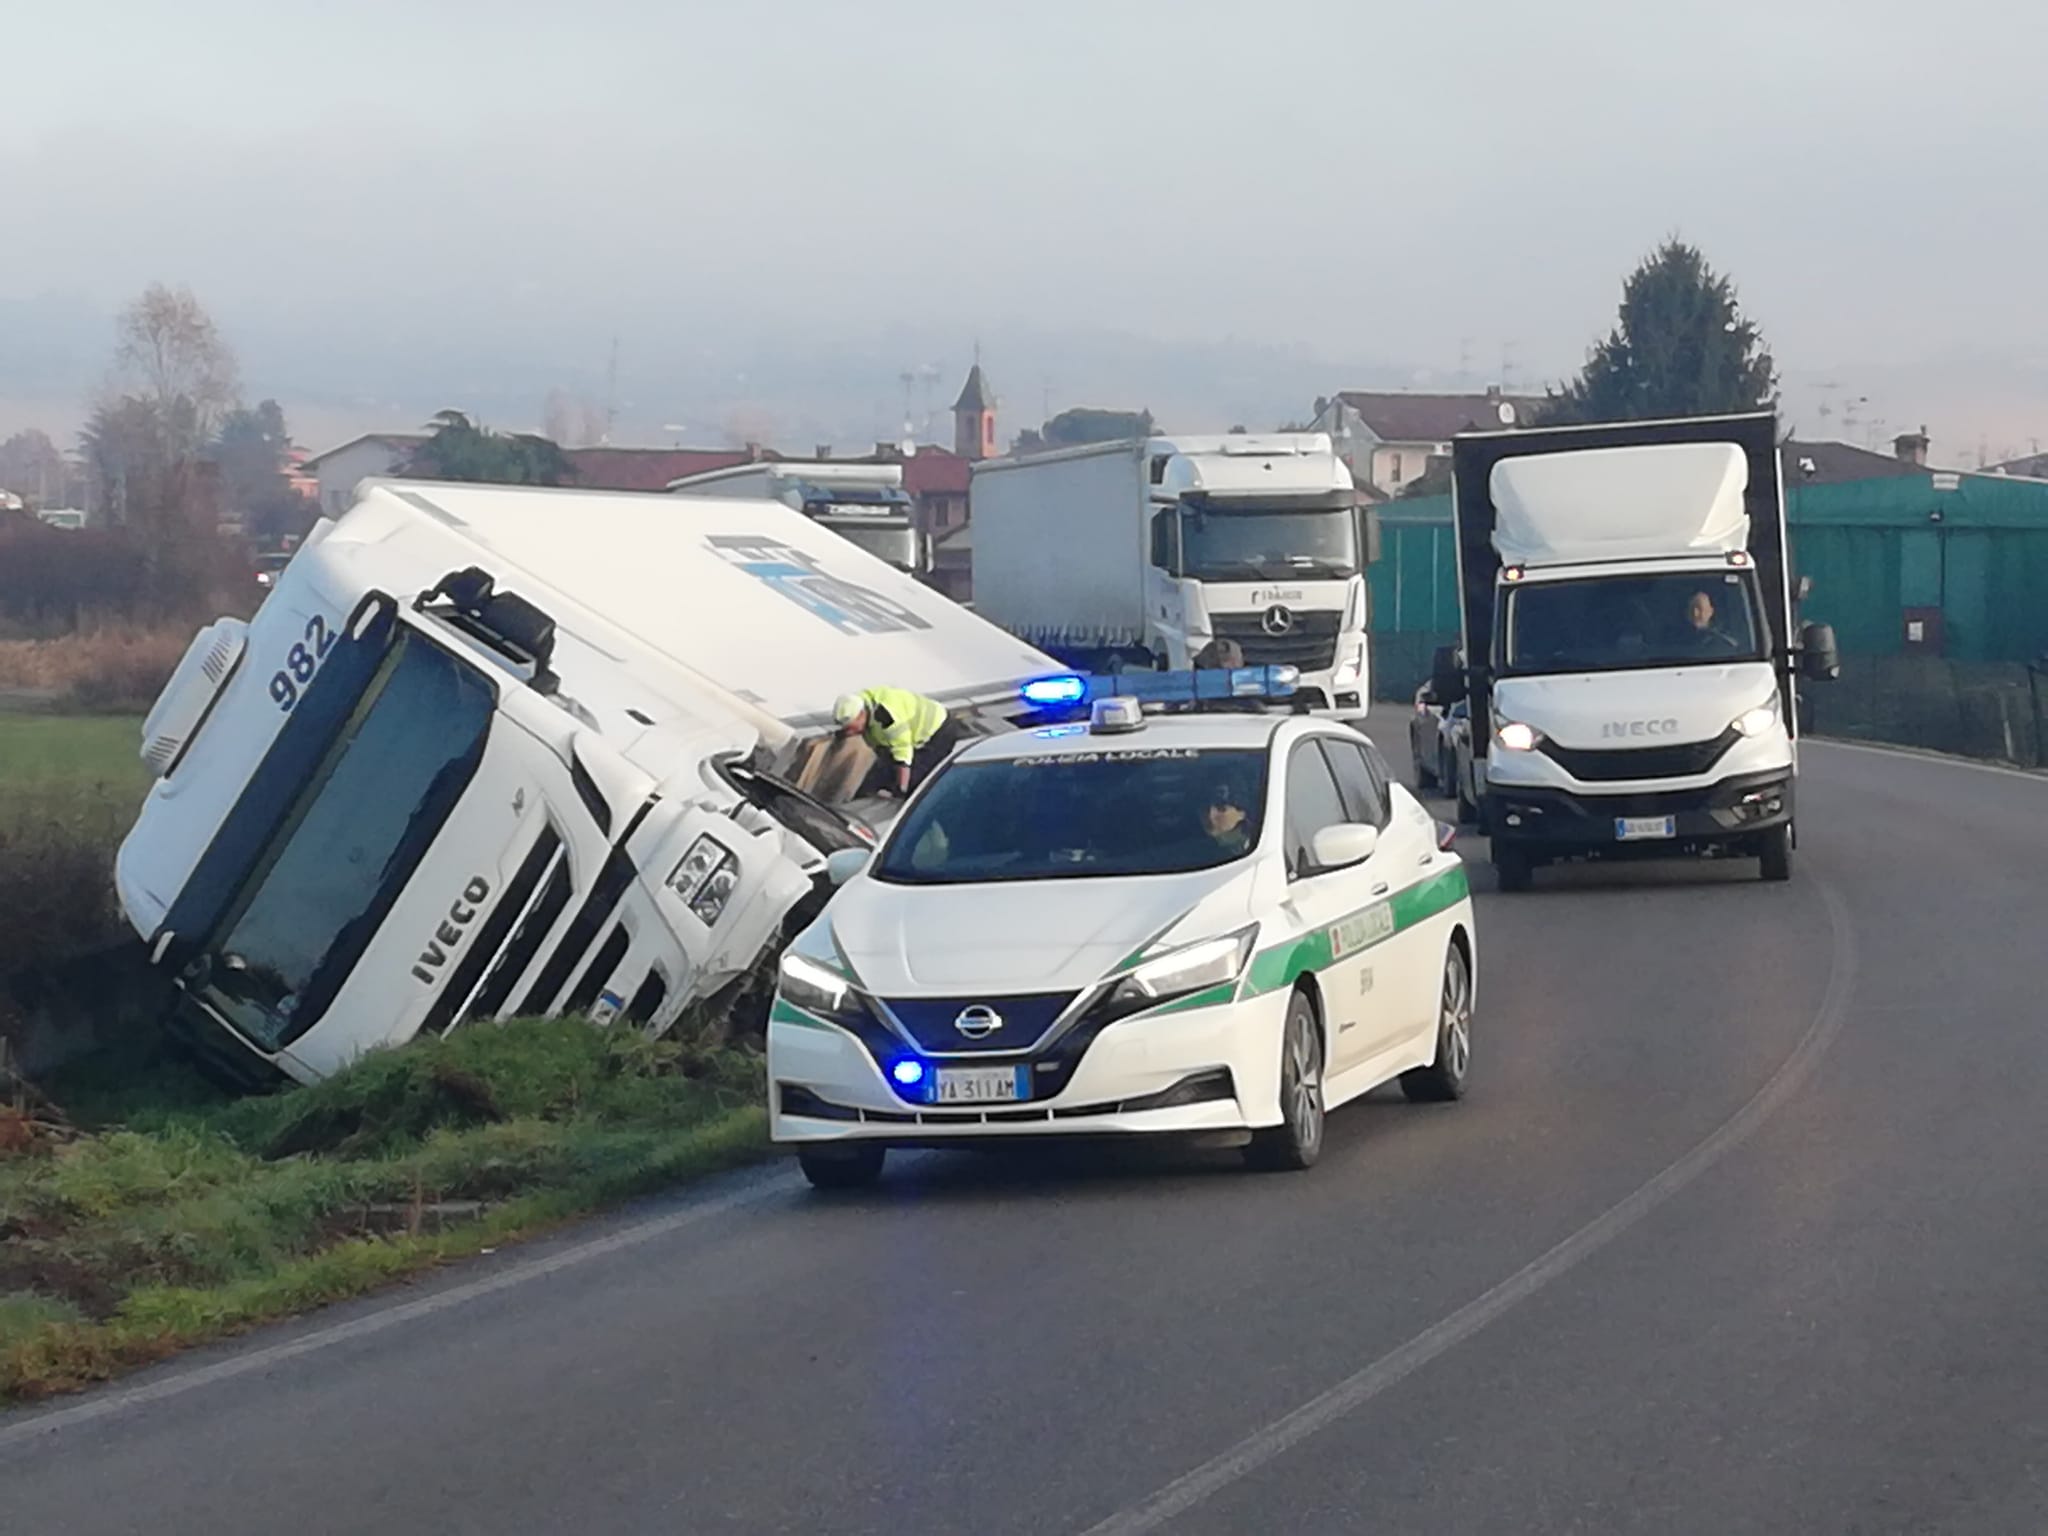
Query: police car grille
{"x":932,"y":1021}
{"x":1310,"y":645}
{"x":1673,"y":762}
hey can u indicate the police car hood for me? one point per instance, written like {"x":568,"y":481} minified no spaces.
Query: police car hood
{"x":1026,"y":935}
{"x":1663,"y":706}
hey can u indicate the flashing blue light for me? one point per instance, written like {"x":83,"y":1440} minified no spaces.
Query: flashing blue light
{"x":908,"y":1073}
{"x":1067,"y":689}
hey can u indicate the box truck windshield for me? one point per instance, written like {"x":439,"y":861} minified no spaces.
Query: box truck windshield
{"x":1615,"y":623}
{"x":1252,"y":543}
{"x":349,"y":835}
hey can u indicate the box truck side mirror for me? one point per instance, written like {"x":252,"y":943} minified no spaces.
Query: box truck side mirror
{"x":1446,"y":676}
{"x":1820,"y":660}
{"x":1369,"y":534}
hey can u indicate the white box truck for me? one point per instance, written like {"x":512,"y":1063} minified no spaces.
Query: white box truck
{"x":487,"y":751}
{"x":1629,"y":653}
{"x":1139,"y":553}
{"x":863,"y":503}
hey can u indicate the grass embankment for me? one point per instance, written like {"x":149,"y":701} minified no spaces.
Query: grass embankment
{"x":179,"y":1215}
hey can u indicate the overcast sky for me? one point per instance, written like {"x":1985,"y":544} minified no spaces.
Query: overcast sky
{"x":1224,"y":207}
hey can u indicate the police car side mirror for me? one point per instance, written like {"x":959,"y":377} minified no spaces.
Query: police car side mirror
{"x":1341,"y":846}
{"x":843,"y":864}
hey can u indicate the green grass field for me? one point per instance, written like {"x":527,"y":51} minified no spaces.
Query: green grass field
{"x":87,"y":764}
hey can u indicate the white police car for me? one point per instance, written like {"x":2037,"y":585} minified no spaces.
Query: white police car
{"x":1182,"y":924}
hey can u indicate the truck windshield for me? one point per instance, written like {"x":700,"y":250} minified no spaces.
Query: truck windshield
{"x":354,"y":834}
{"x":1123,"y":810}
{"x":1615,"y":623}
{"x":894,"y":542}
{"x":1268,"y":543}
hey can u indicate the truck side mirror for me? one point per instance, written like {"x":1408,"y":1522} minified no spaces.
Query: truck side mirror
{"x":1446,"y":677}
{"x":1369,"y":534}
{"x":1820,"y":660}
{"x":1802,"y":591}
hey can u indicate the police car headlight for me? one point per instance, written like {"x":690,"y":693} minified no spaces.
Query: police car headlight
{"x":1755,"y":722}
{"x":1514,"y":736}
{"x":1191,"y":968}
{"x":813,"y":987}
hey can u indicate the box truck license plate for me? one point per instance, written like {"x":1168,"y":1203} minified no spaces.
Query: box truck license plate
{"x":1637,"y":829}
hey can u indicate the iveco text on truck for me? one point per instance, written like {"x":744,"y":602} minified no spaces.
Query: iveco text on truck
{"x":487,"y":751}
{"x":1139,"y":553}
{"x":864,"y":503}
{"x":1630,"y":651}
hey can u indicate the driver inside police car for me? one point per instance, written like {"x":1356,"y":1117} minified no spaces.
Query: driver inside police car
{"x":1226,"y":821}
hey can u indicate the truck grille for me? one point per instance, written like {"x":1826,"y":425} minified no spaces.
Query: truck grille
{"x":448,"y":1009}
{"x":1679,"y":761}
{"x":1310,"y":645}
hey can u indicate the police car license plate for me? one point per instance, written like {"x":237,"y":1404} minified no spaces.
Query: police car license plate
{"x":1635,"y":829}
{"x":981,"y":1085}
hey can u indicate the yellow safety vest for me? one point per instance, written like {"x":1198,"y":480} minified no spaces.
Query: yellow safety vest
{"x":912,"y":720}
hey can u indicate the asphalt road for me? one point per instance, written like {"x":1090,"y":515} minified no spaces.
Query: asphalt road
{"x":1739,"y":1230}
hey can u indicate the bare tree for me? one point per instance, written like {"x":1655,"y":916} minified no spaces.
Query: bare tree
{"x":171,"y":354}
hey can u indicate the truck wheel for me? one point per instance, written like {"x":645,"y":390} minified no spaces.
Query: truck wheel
{"x":1297,"y":1141}
{"x":1777,"y":853}
{"x":1511,"y":866}
{"x":855,"y":1166}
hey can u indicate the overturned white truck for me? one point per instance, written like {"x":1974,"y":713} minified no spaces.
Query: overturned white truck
{"x":488,"y":751}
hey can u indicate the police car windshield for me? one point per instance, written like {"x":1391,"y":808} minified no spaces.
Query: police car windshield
{"x":1613,"y":623}
{"x":1101,"y":809}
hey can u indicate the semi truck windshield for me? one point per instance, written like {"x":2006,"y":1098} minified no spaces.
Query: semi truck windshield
{"x":347,"y":845}
{"x":1615,"y":623}
{"x":1268,"y":544}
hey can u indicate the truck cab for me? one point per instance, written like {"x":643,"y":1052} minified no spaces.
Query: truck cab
{"x":1633,"y":665}
{"x":865,"y":504}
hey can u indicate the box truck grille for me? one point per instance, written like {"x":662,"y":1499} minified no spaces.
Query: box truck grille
{"x":527,"y":938}
{"x":1590,"y":766}
{"x":448,"y":1008}
{"x":1310,"y":645}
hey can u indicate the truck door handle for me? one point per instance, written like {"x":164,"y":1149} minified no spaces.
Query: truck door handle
{"x":1380,"y":889}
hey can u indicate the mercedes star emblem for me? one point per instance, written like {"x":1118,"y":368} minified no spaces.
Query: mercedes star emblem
{"x":1276,"y":620}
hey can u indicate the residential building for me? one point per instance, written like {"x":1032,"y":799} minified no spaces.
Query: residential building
{"x":1388,"y":438}
{"x":338,"y":471}
{"x":2033,"y":467}
{"x":1827,"y":462}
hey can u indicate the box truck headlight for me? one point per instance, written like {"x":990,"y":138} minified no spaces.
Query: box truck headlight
{"x":1755,"y":722}
{"x":1514,"y":736}
{"x":705,"y":877}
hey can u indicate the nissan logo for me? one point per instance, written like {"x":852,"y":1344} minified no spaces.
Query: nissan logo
{"x":978,"y":1021}
{"x":1276,"y":620}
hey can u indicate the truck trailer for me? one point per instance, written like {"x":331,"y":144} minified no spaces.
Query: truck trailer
{"x":1141,"y":553}
{"x":1630,"y":653}
{"x":863,"y":503}
{"x":487,"y":751}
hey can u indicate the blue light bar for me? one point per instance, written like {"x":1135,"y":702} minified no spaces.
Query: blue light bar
{"x":1043,"y":691}
{"x":907,"y":1072}
{"x":1191,"y":686}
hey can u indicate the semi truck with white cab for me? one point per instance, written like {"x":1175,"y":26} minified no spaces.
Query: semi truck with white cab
{"x":862,"y":503}
{"x":1140,"y":553}
{"x":1630,"y":659}
{"x":487,"y":751}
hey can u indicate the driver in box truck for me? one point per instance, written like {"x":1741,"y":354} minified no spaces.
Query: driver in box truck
{"x":487,"y":751}
{"x":1628,"y":619}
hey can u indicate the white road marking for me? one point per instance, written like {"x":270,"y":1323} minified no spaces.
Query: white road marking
{"x":390,"y":1317}
{"x":1922,"y":755}
{"x":1318,"y":1413}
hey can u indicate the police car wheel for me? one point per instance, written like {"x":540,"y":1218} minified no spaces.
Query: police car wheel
{"x":1443,"y":1080}
{"x":1297,"y":1141}
{"x":843,"y":1167}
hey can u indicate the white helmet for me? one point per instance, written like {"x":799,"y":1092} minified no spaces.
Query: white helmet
{"x":849,"y":708}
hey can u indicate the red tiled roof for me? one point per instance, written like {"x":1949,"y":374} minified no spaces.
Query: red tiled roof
{"x":646,"y":469}
{"x":935,"y":471}
{"x":1396,"y":416}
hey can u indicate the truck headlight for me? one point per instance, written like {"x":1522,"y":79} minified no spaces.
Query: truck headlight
{"x":705,"y":878}
{"x":1190,"y":968}
{"x":1755,"y":722}
{"x":1514,"y":736}
{"x":813,"y":987}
